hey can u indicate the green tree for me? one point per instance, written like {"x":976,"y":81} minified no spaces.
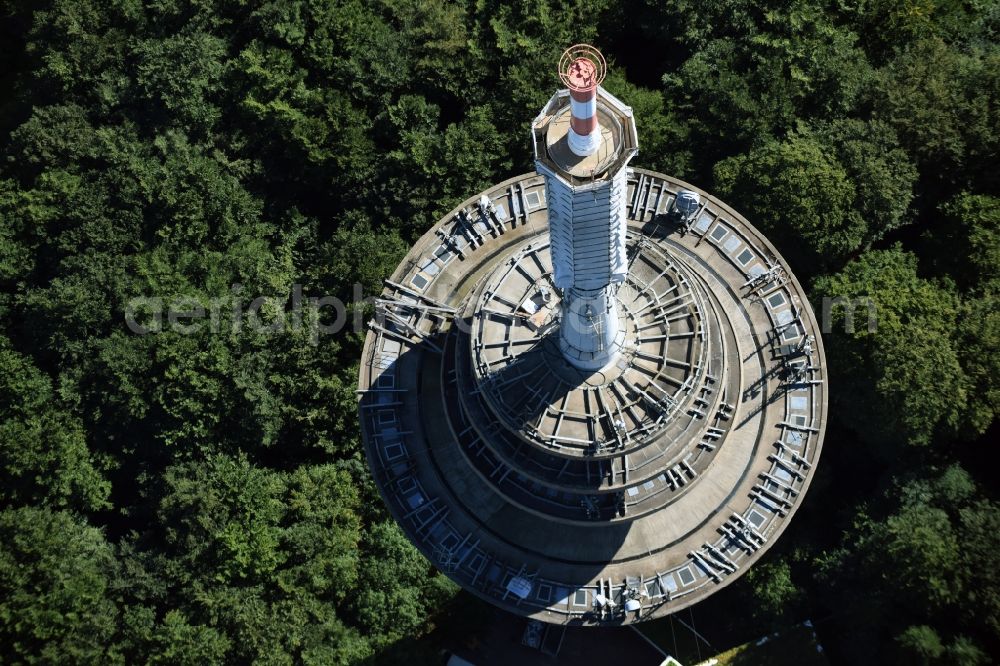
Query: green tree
{"x":880,"y":170}
{"x":180,"y":76}
{"x":321,"y":534}
{"x":756,"y":72}
{"x":887,"y":25}
{"x":838,"y":187}
{"x":979,"y":353}
{"x":942,"y":103}
{"x":270,"y":561}
{"x":56,"y":577}
{"x":964,"y":652}
{"x":921,"y":645}
{"x":980,"y":525}
{"x":919,"y":554}
{"x":901,"y":379}
{"x":396,"y":595}
{"x":799,"y":194}
{"x":774,"y":597}
{"x":221,"y":519}
{"x":179,"y":642}
{"x":926,"y":560}
{"x":437,"y":168}
{"x":965,"y":241}
{"x":44,"y":457}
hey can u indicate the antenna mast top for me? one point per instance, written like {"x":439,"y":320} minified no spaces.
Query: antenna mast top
{"x":582,"y":68}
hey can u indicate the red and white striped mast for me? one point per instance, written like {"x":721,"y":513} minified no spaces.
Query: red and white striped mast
{"x":582,"y":68}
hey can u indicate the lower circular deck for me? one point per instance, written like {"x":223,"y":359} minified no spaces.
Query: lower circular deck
{"x":552,"y":493}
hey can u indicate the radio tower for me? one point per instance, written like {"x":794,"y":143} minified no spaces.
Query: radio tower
{"x":592,"y":394}
{"x":583,"y":149}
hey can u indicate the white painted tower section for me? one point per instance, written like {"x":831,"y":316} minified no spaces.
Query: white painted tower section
{"x":583,"y":140}
{"x":587,"y":227}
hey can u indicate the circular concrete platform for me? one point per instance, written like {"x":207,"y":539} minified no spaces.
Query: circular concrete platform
{"x":566,"y":495}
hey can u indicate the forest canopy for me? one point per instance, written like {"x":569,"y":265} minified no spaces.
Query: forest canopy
{"x":202,"y":497}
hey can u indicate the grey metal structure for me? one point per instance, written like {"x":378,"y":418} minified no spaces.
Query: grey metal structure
{"x":582,"y":493}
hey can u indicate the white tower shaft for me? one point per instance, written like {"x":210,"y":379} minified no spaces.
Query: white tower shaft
{"x":583,"y":140}
{"x":587,"y":227}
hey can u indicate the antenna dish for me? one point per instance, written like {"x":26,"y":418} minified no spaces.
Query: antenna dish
{"x":582,"y":68}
